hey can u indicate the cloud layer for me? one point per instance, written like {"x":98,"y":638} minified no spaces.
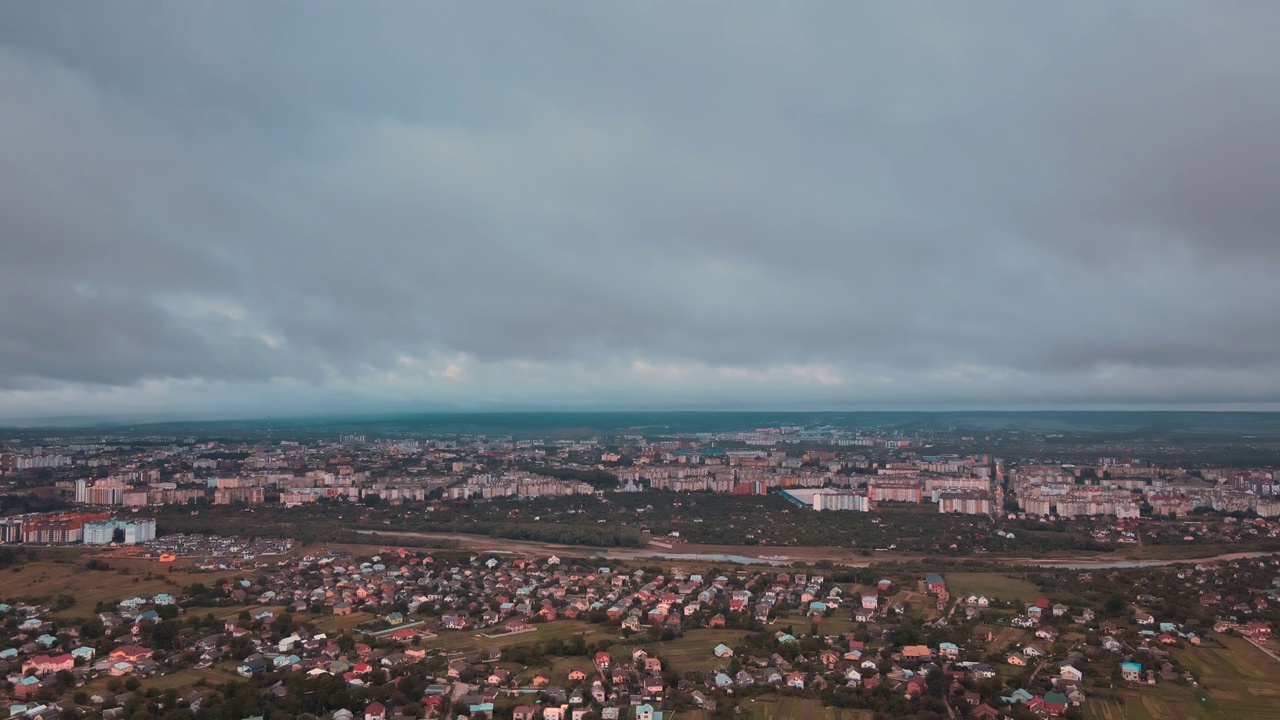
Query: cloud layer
{"x":240,"y":208}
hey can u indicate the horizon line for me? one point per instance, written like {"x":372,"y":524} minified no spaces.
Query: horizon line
{"x":160,"y":418}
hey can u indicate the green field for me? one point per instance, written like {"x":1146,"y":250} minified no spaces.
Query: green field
{"x":793,"y":708}
{"x":992,"y":585}
{"x":1237,"y":681}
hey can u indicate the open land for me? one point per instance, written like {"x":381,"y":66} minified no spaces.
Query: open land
{"x":1236,"y":681}
{"x":63,"y":574}
{"x":993,"y":585}
{"x":792,"y":708}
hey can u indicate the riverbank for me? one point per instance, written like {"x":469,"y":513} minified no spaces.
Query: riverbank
{"x":774,"y":555}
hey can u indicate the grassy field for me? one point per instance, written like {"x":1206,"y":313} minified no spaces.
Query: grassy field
{"x":1009,"y":638}
{"x":65,"y":574}
{"x":693,"y":651}
{"x":992,"y":585}
{"x":920,"y":604}
{"x":472,"y":640}
{"x":792,"y":708}
{"x":184,"y":679}
{"x":1159,"y":703}
{"x":556,"y":668}
{"x":1237,"y":681}
{"x":332,"y":624}
{"x":180,"y":680}
{"x":837,"y":624}
{"x":232,"y":612}
{"x":1131,"y":709}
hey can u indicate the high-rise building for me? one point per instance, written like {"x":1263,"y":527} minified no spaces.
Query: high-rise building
{"x":135,"y":531}
{"x":100,"y":532}
{"x":139,"y":531}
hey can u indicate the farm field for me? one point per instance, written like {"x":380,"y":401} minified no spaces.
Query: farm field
{"x":1131,"y":709}
{"x":993,"y":585}
{"x":792,"y":708}
{"x":1238,"y":681}
{"x":1165,"y":702}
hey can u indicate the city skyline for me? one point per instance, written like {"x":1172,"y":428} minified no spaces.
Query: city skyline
{"x":240,"y":210}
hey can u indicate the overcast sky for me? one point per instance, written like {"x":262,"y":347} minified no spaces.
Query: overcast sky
{"x":249,"y":208}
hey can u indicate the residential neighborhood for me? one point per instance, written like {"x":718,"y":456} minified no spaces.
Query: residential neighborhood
{"x":427,"y":634}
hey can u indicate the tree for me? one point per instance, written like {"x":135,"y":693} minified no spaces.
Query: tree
{"x":1115,"y":606}
{"x":165,"y":636}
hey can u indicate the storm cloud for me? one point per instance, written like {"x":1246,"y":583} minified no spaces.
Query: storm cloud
{"x":242,"y":208}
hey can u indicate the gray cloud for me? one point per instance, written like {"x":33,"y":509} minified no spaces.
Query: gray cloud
{"x":229,"y":206}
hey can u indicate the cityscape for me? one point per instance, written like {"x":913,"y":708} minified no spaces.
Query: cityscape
{"x":856,"y":566}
